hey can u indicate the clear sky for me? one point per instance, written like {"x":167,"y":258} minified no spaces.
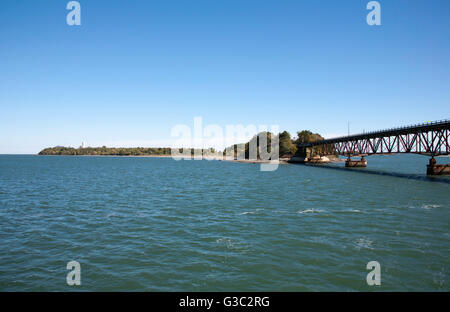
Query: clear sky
{"x":135,"y":69}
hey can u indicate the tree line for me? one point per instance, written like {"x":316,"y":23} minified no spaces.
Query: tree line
{"x":114,"y":151}
{"x":287,"y":147}
{"x":287,"y":144}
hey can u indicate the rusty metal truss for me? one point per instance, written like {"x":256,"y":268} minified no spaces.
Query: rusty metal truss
{"x":431,"y":139}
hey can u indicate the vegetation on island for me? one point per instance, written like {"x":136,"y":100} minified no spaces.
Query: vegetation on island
{"x":287,"y":144}
{"x":307,"y":136}
{"x":115,"y":151}
{"x":287,"y":147}
{"x":244,"y":148}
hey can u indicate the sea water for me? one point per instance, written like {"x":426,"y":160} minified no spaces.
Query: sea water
{"x":156,"y":224}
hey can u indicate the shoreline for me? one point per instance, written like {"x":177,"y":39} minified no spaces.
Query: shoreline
{"x":281,"y":161}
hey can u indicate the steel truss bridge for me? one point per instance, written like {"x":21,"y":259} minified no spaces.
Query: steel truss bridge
{"x":430,"y":139}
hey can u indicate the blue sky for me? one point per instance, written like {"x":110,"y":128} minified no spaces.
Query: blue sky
{"x":135,"y":69}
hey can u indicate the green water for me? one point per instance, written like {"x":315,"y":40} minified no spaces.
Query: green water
{"x":155,"y":224}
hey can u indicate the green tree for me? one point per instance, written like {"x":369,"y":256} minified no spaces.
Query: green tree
{"x":287,"y":147}
{"x":306,"y":136}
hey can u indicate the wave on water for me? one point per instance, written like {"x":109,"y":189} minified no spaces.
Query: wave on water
{"x":430,"y":206}
{"x":311,"y":211}
{"x":233,"y":244}
{"x":350,"y":211}
{"x":251,"y":212}
{"x":112,"y":214}
{"x":363,"y":243}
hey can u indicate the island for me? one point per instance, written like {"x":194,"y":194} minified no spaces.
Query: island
{"x":287,"y":148}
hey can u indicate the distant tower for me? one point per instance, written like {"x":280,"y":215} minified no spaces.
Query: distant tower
{"x":83,"y":145}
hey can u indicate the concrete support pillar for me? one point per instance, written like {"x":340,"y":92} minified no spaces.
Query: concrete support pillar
{"x":356,"y":163}
{"x":435,"y":169}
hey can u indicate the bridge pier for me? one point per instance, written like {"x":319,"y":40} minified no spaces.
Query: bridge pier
{"x":435,"y":169}
{"x":356,"y":163}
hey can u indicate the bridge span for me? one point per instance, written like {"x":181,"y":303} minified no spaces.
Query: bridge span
{"x":430,"y":139}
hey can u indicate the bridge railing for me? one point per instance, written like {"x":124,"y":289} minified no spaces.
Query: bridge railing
{"x":430,"y":123}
